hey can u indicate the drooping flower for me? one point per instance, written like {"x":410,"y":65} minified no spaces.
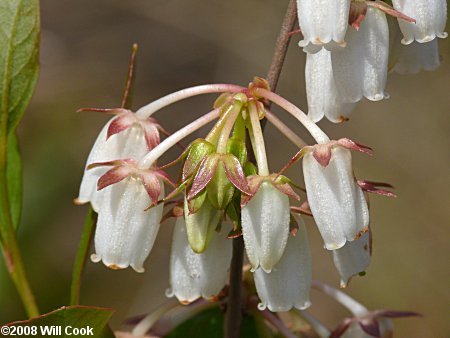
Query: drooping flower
{"x":353,"y":258}
{"x":288,"y":284}
{"x":323,"y":23}
{"x":124,"y":136}
{"x":194,"y":275}
{"x":126,"y":230}
{"x":360,"y":69}
{"x":265,"y":223}
{"x":321,"y":90}
{"x":418,"y":56}
{"x":336,"y":200}
{"x":430,"y":16}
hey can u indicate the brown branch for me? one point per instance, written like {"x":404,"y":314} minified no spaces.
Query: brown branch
{"x":233,"y":315}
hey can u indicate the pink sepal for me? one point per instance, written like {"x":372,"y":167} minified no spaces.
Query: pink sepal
{"x":205,"y":173}
{"x":208,"y":167}
{"x":235,"y":173}
{"x":352,"y":145}
{"x":358,"y":11}
{"x":114,"y":175}
{"x":255,"y":181}
{"x":322,"y":153}
{"x":384,"y":7}
{"x":373,"y":187}
{"x":122,"y":122}
{"x":122,"y":169}
{"x":370,"y":325}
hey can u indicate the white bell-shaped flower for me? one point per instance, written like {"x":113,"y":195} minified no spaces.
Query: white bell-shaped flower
{"x":194,"y":275}
{"x":288,"y":284}
{"x":418,"y":56}
{"x":430,"y":16}
{"x":321,"y":91}
{"x":360,"y":69}
{"x":125,"y":231}
{"x":323,"y":23}
{"x":336,"y":201}
{"x":129,"y":143}
{"x":265,"y":226}
{"x":352,"y":258}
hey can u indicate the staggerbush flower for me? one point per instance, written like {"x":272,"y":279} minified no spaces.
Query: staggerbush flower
{"x":321,"y":91}
{"x":194,"y":275}
{"x":323,"y":23}
{"x":360,"y":69}
{"x":265,"y":220}
{"x":125,"y":136}
{"x":430,"y":16}
{"x":336,"y":201}
{"x":288,"y":284}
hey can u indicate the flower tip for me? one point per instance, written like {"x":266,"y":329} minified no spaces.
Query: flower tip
{"x":95,"y":258}
{"x":138,"y":269}
{"x":78,"y":201}
{"x":362,"y":232}
{"x":304,"y":305}
{"x":115,"y":267}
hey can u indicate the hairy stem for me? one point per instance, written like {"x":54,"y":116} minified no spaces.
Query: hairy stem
{"x":233,"y":316}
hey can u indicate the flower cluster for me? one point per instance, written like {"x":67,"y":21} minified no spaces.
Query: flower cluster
{"x":351,"y":45}
{"x":223,"y":193}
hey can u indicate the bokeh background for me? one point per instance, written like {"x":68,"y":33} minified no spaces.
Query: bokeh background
{"x":84,"y":57}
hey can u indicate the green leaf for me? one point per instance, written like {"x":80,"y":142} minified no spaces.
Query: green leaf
{"x":209,"y":324}
{"x":19,"y":57}
{"x":69,"y":318}
{"x":14,"y":179}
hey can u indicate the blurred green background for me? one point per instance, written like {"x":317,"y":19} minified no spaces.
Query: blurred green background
{"x":84,"y":58}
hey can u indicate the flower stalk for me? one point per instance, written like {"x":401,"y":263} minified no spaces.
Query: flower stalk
{"x":257,"y":138}
{"x":176,"y":137}
{"x":292,"y":109}
{"x":151,"y":108}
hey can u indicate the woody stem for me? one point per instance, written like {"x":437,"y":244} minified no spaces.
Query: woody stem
{"x":233,"y":316}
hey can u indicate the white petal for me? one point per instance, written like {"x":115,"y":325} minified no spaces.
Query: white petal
{"x":417,"y":56}
{"x":337,"y":202}
{"x":194,"y":275}
{"x":201,"y":225}
{"x":265,"y":226}
{"x":430,"y":16}
{"x":352,"y":258}
{"x":288,"y":284}
{"x":321,"y":91}
{"x":126,"y":144}
{"x":125,"y":231}
{"x":360,"y":69}
{"x":323,"y":23}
